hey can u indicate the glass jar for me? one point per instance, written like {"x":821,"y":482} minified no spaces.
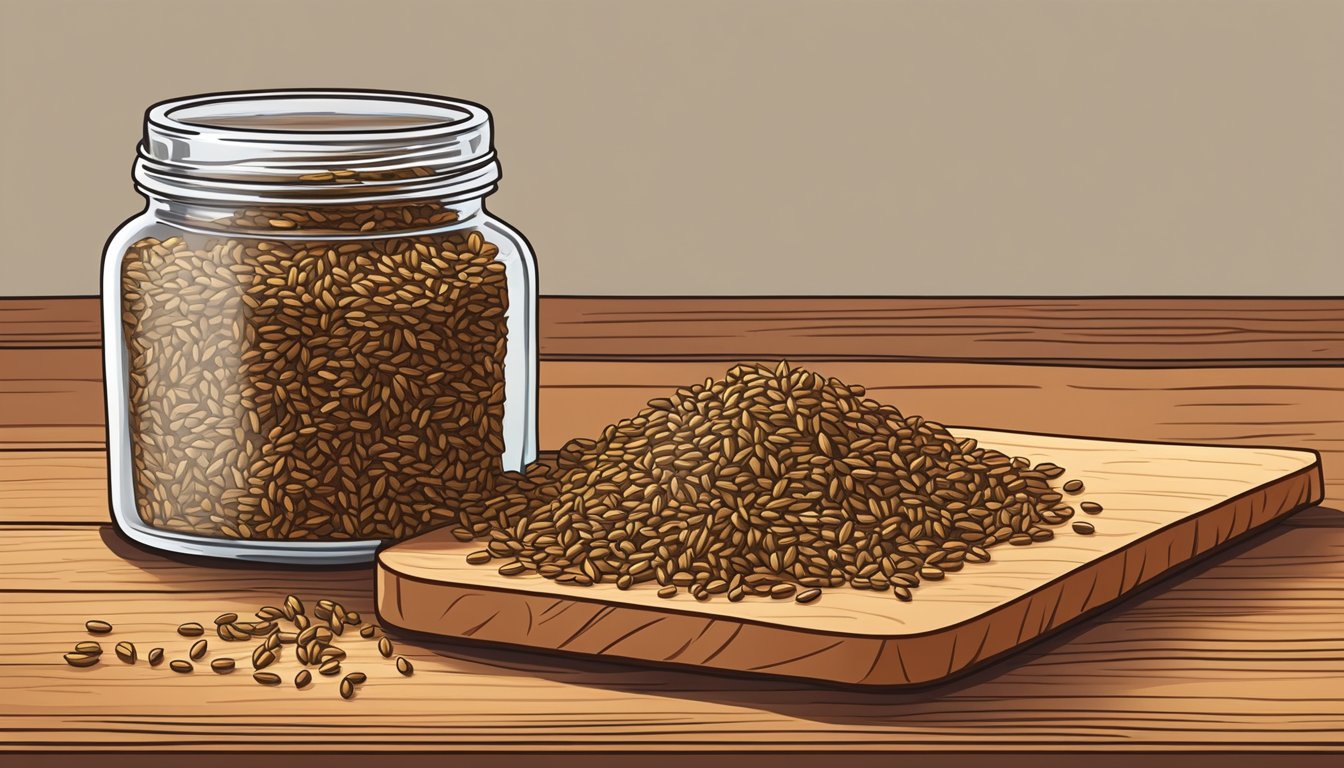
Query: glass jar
{"x":316,"y":339}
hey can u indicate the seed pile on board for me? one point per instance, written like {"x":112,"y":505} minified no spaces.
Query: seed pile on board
{"x":317,"y":388}
{"x":314,"y":638}
{"x":776,"y":482}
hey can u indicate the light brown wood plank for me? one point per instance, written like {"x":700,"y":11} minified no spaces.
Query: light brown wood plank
{"x":1165,"y":505}
{"x":94,"y":559}
{"x":53,"y":486}
{"x":1239,"y":654}
{"x":1150,"y":331}
{"x":49,"y":322}
{"x":51,"y":398}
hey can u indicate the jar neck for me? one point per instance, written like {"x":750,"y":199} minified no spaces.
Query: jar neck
{"x":282,"y":220}
{"x":342,"y":151}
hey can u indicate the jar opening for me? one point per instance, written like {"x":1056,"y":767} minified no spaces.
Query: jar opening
{"x":316,"y":146}
{"x":347,"y":114}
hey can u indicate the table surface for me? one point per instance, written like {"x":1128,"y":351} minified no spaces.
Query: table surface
{"x":1240,"y":656}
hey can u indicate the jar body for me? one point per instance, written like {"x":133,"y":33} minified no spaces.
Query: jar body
{"x":305,"y":383}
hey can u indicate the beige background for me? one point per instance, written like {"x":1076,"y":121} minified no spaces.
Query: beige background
{"x":1026,"y":147}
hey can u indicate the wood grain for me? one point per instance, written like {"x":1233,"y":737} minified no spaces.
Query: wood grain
{"x":1151,"y":331}
{"x":1164,"y":506}
{"x":1242,"y":654}
{"x":1236,"y":662}
{"x":53,"y":486}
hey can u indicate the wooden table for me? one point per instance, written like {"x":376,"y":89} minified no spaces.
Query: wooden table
{"x":1238,"y":658}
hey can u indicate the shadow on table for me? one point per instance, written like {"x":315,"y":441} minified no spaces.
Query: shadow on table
{"x":1005,"y":678}
{"x":353,"y":584}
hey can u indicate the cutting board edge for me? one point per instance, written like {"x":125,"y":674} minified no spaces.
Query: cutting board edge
{"x":905,"y":660}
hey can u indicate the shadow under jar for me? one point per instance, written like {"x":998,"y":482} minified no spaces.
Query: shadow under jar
{"x":316,"y":338}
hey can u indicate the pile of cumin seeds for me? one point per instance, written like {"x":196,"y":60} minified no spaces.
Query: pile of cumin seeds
{"x":319,"y":388}
{"x":775,"y":482}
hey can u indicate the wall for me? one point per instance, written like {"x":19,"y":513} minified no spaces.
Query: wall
{"x":1027,"y":147}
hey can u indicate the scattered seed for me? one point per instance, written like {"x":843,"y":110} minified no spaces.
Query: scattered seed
{"x":155,"y":657}
{"x":1091,"y":507}
{"x":180,"y":665}
{"x":367,"y":631}
{"x":81,"y":659}
{"x":347,"y":689}
{"x":404,"y":666}
{"x":293,"y":607}
{"x":303,"y":678}
{"x":97,"y":627}
{"x":807,"y":595}
{"x":1085,"y":528}
{"x":88,"y":647}
{"x":266,"y":678}
{"x":385,"y":647}
{"x":476,"y":558}
{"x":357,"y":678}
{"x":329,"y":667}
{"x":1074,"y":486}
{"x":198,"y":650}
{"x":669,"y":591}
{"x":222,"y":666}
{"x":126,"y":652}
{"x":226,"y":618}
{"x":190,"y":629}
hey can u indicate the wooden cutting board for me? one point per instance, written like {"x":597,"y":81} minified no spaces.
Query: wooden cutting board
{"x":1164,"y":507}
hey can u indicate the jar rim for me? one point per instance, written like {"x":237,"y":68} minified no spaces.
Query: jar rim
{"x":202,"y":113}
{"x":316,"y":146}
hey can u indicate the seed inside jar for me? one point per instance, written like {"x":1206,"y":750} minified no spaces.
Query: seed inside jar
{"x":321,"y":388}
